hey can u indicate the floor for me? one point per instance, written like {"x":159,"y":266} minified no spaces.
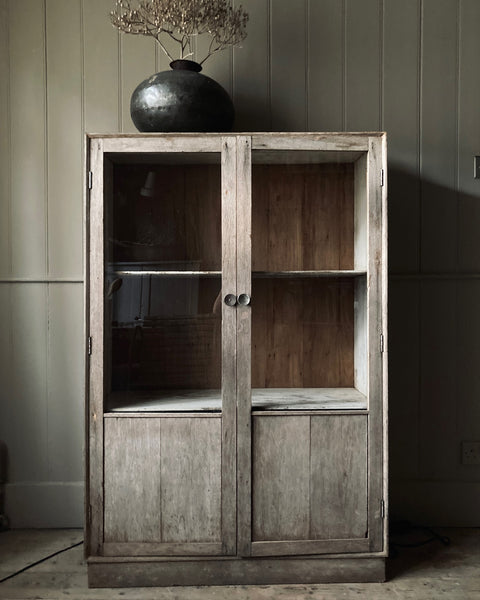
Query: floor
{"x":432,"y":571}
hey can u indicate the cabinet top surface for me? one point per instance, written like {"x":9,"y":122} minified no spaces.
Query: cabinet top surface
{"x":284,"y":134}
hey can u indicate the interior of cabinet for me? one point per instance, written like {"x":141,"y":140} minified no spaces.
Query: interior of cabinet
{"x":163,"y":242}
{"x":309,"y":257}
{"x":163,"y":277}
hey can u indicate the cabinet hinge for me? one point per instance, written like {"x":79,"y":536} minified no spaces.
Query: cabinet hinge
{"x":382,"y":177}
{"x":382,"y":343}
{"x":89,"y":346}
{"x":382,"y":509}
{"x":90,"y":180}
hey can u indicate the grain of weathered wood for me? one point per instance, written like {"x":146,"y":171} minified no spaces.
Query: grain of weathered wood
{"x":360,"y":345}
{"x":280,"y":478}
{"x":161,"y":550}
{"x":338,"y":471}
{"x":162,"y":143}
{"x":96,"y":331}
{"x":303,"y":332}
{"x":376,"y":313}
{"x":229,"y":345}
{"x":244,"y":338}
{"x":295,"y":223}
{"x":132,"y":481}
{"x":361,"y":213}
{"x":304,"y":547}
{"x":336,"y":142}
{"x":190,"y":479}
{"x":230,"y":572}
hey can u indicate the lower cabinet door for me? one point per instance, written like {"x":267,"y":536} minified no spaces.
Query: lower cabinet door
{"x":309,"y":484}
{"x":163,"y":486}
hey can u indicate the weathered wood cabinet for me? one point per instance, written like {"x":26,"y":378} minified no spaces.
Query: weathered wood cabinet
{"x":237,"y":358}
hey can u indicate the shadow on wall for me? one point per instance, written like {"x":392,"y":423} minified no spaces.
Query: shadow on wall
{"x":434,"y":332}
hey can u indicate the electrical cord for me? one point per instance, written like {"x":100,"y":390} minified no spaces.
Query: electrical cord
{"x":40,"y":561}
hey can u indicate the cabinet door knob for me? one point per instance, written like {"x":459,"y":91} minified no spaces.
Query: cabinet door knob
{"x":230,"y":299}
{"x":244,"y":299}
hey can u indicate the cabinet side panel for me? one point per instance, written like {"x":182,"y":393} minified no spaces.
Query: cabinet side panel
{"x":190,"y":468}
{"x":281,"y":454}
{"x":132,"y":480}
{"x":338,"y":477}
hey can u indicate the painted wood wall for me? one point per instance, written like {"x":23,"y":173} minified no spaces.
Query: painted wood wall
{"x":409,"y":67}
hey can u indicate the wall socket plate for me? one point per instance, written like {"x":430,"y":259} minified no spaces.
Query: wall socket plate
{"x":470,"y":453}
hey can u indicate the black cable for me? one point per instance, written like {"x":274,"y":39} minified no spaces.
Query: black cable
{"x":40,"y":561}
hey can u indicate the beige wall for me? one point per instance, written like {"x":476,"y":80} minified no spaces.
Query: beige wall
{"x":409,"y":67}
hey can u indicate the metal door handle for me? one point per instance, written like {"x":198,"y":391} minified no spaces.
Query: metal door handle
{"x":230,"y":299}
{"x":244,"y":299}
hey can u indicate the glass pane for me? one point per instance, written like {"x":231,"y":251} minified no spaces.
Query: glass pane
{"x":163,"y":277}
{"x":307,"y":259}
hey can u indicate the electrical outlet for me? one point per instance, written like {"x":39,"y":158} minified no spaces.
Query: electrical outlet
{"x":470,"y":453}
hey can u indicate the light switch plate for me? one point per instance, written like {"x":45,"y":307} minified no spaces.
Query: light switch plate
{"x":476,"y":167}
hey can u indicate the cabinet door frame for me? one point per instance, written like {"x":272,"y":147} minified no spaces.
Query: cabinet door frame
{"x":97,"y":146}
{"x":372,"y":148}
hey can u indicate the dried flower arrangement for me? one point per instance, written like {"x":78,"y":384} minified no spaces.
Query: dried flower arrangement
{"x":182,"y":20}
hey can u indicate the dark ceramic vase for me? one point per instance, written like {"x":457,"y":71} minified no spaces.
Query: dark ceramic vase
{"x":181,"y":100}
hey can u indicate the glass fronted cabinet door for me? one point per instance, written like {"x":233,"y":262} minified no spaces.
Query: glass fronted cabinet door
{"x":312,"y":345}
{"x":165,"y":390}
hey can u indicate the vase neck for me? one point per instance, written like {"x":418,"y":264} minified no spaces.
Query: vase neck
{"x":185,"y":65}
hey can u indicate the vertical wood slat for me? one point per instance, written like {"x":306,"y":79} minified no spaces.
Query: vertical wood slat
{"x":281,"y":487}
{"x":96,"y":330}
{"x":102,"y":92}
{"x":229,"y":349}
{"x":65,"y":137}
{"x":438,"y":387}
{"x":137,"y":56}
{"x":5,"y":143}
{"x":401,"y":120}
{"x":439,"y":144}
{"x":468,"y":134}
{"x":288,"y":56}
{"x":325,"y":65}
{"x":190,"y":480}
{"x":244,"y":336}
{"x":251,"y":90}
{"x":28,"y":138}
{"x":363,"y":67}
{"x":132,"y":480}
{"x":65,"y":381}
{"x":376,"y":313}
{"x":338,"y":471}
{"x":23,"y":396}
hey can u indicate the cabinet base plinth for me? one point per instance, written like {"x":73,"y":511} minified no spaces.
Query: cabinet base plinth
{"x":104,"y":572}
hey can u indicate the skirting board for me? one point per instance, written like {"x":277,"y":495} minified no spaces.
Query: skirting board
{"x":436,"y":503}
{"x":246,"y":571}
{"x":45,"y":505}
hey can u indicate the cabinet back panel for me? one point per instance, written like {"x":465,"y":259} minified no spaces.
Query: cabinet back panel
{"x":302,"y":217}
{"x":167,"y":213}
{"x":303,"y":332}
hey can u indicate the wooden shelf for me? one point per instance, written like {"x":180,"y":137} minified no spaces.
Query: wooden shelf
{"x":287,"y":274}
{"x":155,"y":273}
{"x":263,"y":399}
